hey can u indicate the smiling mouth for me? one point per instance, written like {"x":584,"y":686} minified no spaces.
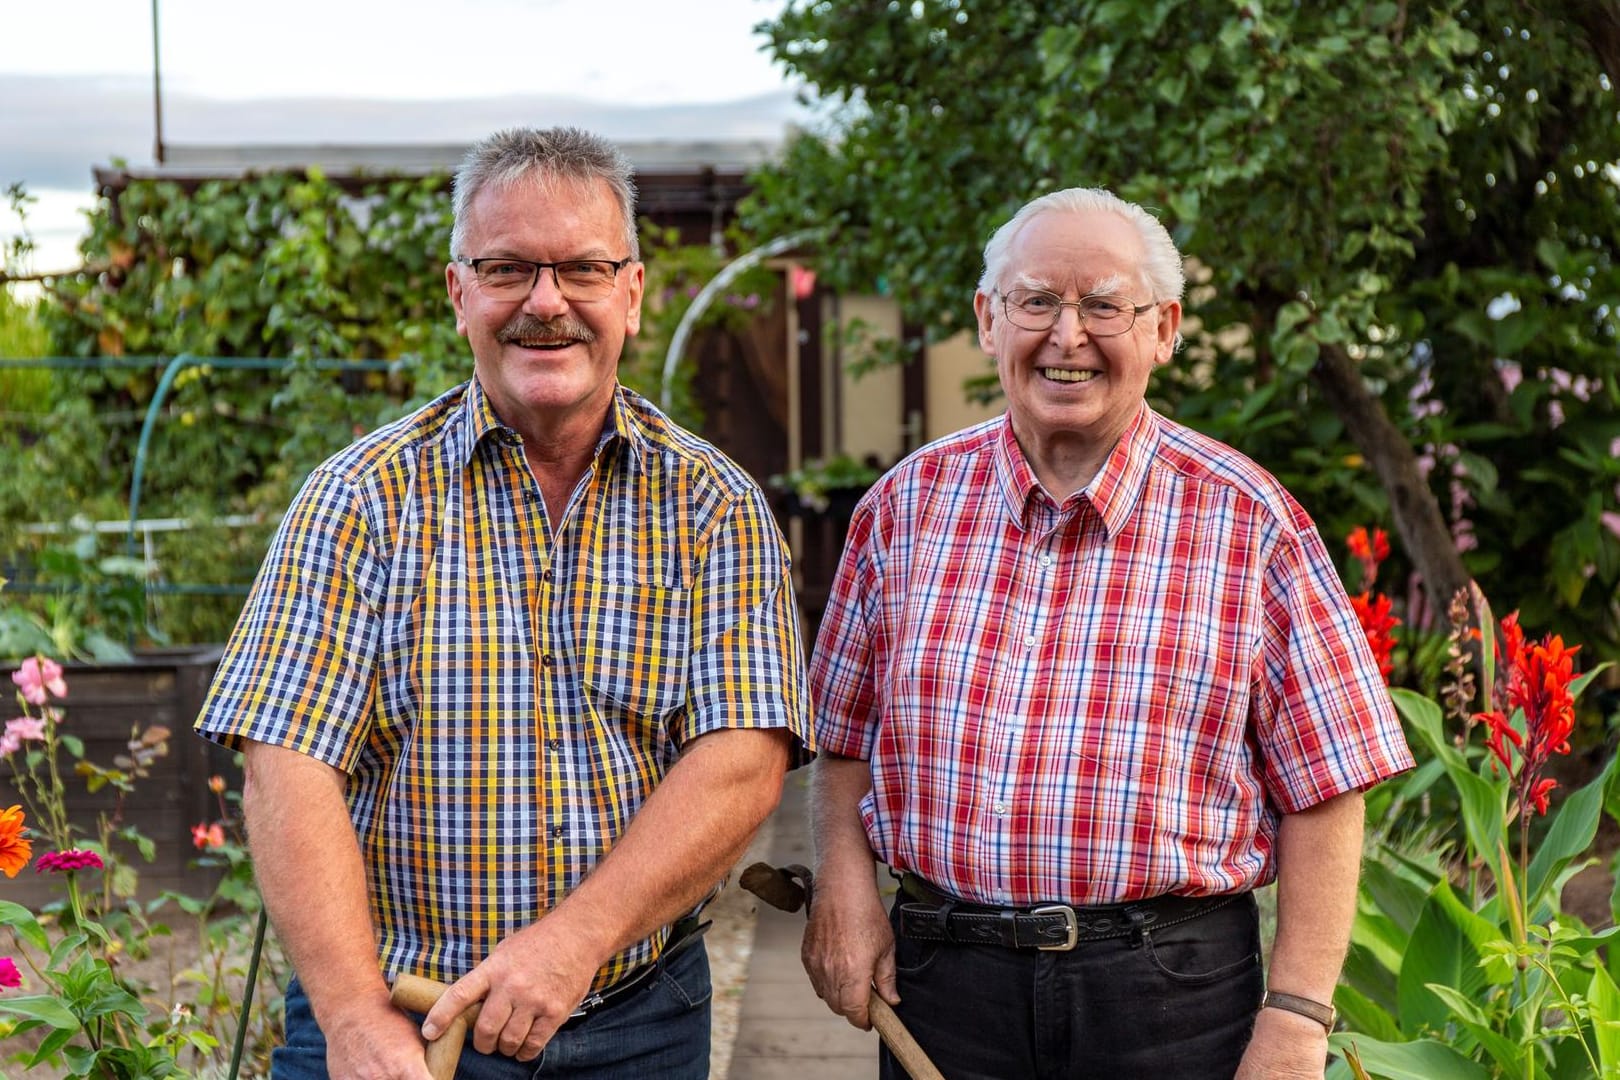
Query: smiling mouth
{"x":1064,"y":375}
{"x":547,"y":346}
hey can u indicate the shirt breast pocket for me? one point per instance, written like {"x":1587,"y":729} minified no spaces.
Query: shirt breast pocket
{"x":637,"y":646}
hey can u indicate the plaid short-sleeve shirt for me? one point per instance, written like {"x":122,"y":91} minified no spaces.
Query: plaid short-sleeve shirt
{"x":503,"y":698}
{"x":1098,"y":702}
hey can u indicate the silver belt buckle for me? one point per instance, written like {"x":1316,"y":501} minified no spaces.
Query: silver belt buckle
{"x":1069,"y":922}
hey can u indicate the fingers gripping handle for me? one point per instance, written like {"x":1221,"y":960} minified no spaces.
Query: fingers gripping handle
{"x":419,"y":995}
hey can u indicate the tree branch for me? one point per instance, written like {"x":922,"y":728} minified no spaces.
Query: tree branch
{"x":1422,"y":529}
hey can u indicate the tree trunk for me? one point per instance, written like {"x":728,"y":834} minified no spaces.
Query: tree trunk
{"x":1418,"y":520}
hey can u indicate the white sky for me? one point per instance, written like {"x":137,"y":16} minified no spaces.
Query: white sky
{"x":618,"y":52}
{"x":674,"y":50}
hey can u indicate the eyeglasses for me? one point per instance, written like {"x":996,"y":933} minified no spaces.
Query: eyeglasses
{"x":1101,"y":315}
{"x":577,"y":279}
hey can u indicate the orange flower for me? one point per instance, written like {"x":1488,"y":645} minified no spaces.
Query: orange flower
{"x":216,"y":784}
{"x":207,"y":837}
{"x":15,"y":849}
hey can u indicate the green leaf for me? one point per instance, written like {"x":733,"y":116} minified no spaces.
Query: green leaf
{"x":39,"y":1007}
{"x":1424,"y":1059}
{"x":1364,"y":1015}
{"x":22,"y":920}
{"x":1573,"y":830}
{"x":73,"y":743}
{"x":1445,"y":948}
{"x":1503,"y":1050}
{"x":1603,"y":999}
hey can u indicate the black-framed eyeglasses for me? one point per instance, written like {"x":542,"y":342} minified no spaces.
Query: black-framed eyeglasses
{"x":576,"y":279}
{"x":1102,"y":315}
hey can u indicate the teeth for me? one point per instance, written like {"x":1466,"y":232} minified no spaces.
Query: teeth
{"x":1062,"y":375}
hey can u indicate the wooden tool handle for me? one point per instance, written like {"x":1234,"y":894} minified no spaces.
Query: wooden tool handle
{"x":419,"y":995}
{"x":899,"y":1040}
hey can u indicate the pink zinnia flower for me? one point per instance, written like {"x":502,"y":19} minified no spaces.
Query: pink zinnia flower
{"x":36,"y":676}
{"x":9,"y":743}
{"x":208,"y":837}
{"x":26,"y":727}
{"x":10,"y":977}
{"x":72,"y":859}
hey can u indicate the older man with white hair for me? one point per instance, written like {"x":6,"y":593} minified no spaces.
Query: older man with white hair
{"x":1087,"y":679}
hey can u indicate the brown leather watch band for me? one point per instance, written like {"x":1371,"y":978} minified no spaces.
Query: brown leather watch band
{"x":1322,"y":1014}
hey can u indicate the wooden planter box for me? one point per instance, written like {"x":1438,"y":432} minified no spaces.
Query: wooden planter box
{"x":105,"y":704}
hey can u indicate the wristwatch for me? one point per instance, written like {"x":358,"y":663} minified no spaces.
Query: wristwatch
{"x":1322,"y":1014}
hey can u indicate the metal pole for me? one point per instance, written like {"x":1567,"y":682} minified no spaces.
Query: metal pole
{"x":700,"y":304}
{"x":157,"y":89}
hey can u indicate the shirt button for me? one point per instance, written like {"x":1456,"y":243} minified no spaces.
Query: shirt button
{"x":547,"y":576}
{"x":557,"y":831}
{"x":547,"y":660}
{"x":1029,"y":640}
{"x":1001,"y":809}
{"x":1046,"y":560}
{"x":554,"y":745}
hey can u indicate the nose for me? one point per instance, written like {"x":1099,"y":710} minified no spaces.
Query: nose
{"x":1069,"y":330}
{"x":545,"y":298}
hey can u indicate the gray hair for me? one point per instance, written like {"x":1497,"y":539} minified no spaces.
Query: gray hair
{"x":1161,"y":266}
{"x":547,"y":157}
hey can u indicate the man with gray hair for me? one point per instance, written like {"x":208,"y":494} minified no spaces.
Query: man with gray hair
{"x":1087,"y":679}
{"x":519,"y":678}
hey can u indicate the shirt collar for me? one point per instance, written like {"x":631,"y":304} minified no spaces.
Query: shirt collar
{"x":478,"y":421}
{"x":1112,"y":493}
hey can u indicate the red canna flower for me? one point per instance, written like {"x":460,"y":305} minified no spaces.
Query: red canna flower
{"x":1535,"y":680}
{"x":1379,"y":625}
{"x":1369,"y":550}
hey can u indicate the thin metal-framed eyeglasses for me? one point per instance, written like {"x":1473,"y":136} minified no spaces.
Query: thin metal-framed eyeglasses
{"x":576,"y":279}
{"x":1102,"y":314}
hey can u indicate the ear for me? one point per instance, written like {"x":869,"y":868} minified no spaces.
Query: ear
{"x":637,"y":281}
{"x":984,"y":308}
{"x":1164,"y":345}
{"x":453,"y":286}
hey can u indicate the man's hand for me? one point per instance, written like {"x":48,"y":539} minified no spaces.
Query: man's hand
{"x":848,"y":946}
{"x":1284,"y":1047}
{"x":372,"y":1043}
{"x":529,"y":985}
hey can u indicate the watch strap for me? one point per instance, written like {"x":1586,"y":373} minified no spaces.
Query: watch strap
{"x":1322,"y":1014}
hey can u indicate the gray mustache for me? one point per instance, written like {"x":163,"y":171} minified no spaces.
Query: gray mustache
{"x":559,"y":331}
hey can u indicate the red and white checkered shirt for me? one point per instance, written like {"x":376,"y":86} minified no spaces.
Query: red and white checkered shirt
{"x":1098,"y":702}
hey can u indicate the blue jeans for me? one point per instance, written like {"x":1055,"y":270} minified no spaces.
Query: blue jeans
{"x":659,"y":1029}
{"x":1180,"y":1003}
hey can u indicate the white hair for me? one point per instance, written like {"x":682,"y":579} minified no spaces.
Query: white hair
{"x":1161,"y":265}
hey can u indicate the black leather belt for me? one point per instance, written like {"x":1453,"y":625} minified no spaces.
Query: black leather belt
{"x":934,"y":916}
{"x":684,"y":933}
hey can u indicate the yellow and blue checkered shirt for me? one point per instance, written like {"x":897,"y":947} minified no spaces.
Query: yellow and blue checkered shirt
{"x":502,"y":697}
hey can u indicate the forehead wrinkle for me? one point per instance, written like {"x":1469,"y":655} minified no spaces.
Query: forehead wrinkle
{"x":1110,"y":285}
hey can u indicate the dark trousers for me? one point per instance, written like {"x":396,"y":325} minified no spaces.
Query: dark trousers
{"x":1180,"y":1003}
{"x":659,"y":1030}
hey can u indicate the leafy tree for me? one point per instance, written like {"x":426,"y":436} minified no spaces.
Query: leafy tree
{"x":291,"y":265}
{"x":1401,"y":217}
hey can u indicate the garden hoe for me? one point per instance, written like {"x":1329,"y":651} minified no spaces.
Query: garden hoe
{"x":789,"y":888}
{"x":419,"y":995}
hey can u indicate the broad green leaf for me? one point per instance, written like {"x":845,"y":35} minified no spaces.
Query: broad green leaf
{"x":1573,"y":830}
{"x":1364,"y":1015}
{"x":1445,"y":948}
{"x":1397,"y":897}
{"x":1504,"y":1051}
{"x":22,"y":920}
{"x":1423,"y":1059}
{"x":40,"y":1007}
{"x":1604,"y":999}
